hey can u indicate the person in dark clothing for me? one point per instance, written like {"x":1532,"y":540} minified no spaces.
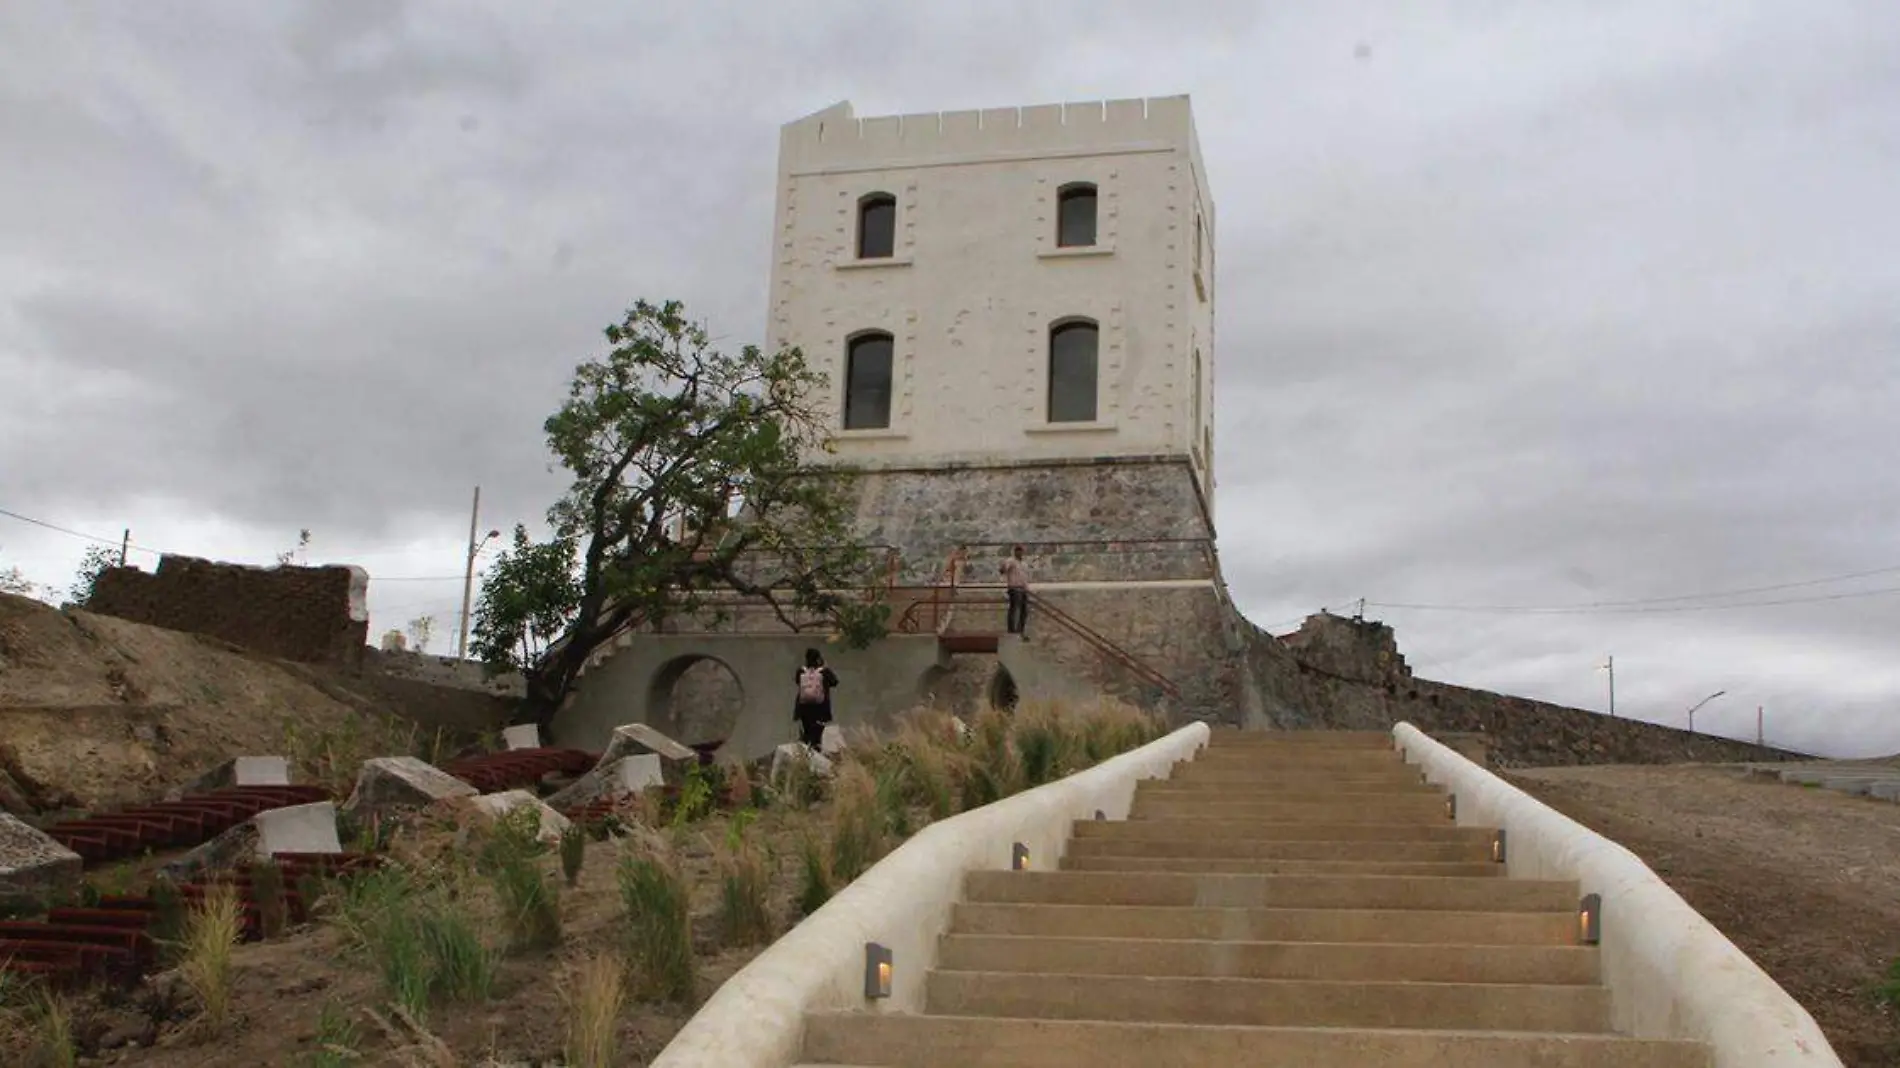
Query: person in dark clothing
{"x":812,"y":709}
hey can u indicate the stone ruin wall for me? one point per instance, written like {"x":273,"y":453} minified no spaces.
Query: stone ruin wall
{"x":306,"y":614}
{"x":1341,"y":674}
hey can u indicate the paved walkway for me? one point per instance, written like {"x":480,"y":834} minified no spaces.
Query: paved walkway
{"x":1860,"y":778}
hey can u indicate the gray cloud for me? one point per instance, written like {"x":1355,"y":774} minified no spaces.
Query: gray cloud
{"x":1520,"y":303}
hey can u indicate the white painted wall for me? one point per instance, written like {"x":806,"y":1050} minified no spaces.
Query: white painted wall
{"x":1670,"y":973}
{"x":757,"y":1018}
{"x":977,"y":278}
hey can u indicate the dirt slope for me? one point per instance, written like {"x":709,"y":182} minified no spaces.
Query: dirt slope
{"x":97,"y":711}
{"x":1806,"y":882}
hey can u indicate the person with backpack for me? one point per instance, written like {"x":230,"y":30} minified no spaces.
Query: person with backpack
{"x":813,"y":708}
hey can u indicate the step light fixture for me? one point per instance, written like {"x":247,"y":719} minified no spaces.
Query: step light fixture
{"x":1590,"y":920}
{"x":1018,"y":857}
{"x":1497,"y":847}
{"x":1451,"y":806}
{"x":1099,"y":814}
{"x":877,"y":971}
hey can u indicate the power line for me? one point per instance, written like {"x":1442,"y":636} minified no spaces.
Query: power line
{"x":75,"y":533}
{"x":1635,"y":610}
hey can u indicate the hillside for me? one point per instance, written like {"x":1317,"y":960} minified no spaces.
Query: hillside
{"x":97,"y":711}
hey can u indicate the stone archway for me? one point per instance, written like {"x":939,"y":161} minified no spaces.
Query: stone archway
{"x":695,"y":699}
{"x":1002,"y":692}
{"x":960,"y":688}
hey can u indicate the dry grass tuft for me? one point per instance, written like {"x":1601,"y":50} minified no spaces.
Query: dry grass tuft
{"x":212,"y":930}
{"x":594,"y":994}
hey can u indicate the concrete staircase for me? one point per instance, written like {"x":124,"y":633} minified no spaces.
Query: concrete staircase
{"x":1288,"y":899}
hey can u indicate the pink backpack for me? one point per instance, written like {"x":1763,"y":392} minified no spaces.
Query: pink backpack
{"x":811,"y":686}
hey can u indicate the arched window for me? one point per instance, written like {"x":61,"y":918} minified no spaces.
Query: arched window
{"x":1075,"y":215}
{"x":1072,"y":348}
{"x":867,"y":382}
{"x":877,"y":226}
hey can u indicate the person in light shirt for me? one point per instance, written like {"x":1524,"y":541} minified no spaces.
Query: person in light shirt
{"x":1016,"y":578}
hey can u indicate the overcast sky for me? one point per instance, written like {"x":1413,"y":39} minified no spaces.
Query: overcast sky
{"x":1523,"y":304}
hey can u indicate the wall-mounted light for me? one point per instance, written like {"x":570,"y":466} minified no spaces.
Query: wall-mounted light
{"x":1451,"y":806}
{"x":1497,"y":847}
{"x":1590,"y":920}
{"x":1019,"y":857}
{"x":877,"y":970}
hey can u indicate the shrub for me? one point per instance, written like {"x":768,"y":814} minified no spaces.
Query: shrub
{"x":698,"y":795}
{"x":659,"y":922}
{"x":168,"y":918}
{"x":857,"y":821}
{"x":417,"y":935}
{"x":815,"y":886}
{"x":267,"y":891}
{"x":211,"y":933}
{"x":337,"y":1038}
{"x":53,"y":1031}
{"x":511,"y":858}
{"x":745,"y":888}
{"x":1889,"y":990}
{"x":593,"y":1001}
{"x":573,"y":853}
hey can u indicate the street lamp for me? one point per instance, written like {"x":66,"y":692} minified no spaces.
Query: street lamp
{"x":1699,"y":704}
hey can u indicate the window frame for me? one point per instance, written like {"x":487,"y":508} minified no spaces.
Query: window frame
{"x":852,"y":344}
{"x":1057,"y":329}
{"x":866,"y":204}
{"x":1071,"y":192}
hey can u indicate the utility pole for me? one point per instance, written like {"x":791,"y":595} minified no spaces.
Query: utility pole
{"x":1699,"y":704}
{"x":124,"y":544}
{"x":1609,"y":665}
{"x":1758,"y":740}
{"x":468,"y":575}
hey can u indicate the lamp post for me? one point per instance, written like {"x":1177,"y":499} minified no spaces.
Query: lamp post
{"x":1609,"y":665}
{"x":468,"y":575}
{"x":1699,"y":704}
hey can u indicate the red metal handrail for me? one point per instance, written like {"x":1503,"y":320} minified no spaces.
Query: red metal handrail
{"x":1088,"y":635}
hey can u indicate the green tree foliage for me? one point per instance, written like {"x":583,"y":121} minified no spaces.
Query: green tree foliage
{"x":690,"y":482}
{"x":96,"y":562}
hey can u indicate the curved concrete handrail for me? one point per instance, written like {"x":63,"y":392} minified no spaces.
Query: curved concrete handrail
{"x":757,"y":1018}
{"x":1670,"y":973}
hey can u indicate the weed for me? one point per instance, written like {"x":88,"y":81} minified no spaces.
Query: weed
{"x":53,"y":1031}
{"x":858,"y":826}
{"x":593,"y":999}
{"x":698,"y":795}
{"x":1889,"y":990}
{"x":211,"y":933}
{"x":815,"y":887}
{"x":168,"y":918}
{"x":659,"y":923}
{"x":573,"y":853}
{"x":745,"y":886}
{"x":418,"y":936}
{"x":267,"y":891}
{"x":511,"y":858}
{"x":337,"y":1038}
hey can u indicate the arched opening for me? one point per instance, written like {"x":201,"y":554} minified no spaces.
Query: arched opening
{"x":961,"y":689}
{"x":867,"y":381}
{"x":1072,"y":371}
{"x":1003,"y":689}
{"x":695,"y":699}
{"x":1075,"y":215}
{"x":877,"y":226}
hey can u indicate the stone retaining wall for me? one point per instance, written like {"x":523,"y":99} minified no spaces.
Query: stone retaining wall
{"x":309,"y":614}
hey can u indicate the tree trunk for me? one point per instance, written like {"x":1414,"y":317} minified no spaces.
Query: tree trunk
{"x":550,"y":682}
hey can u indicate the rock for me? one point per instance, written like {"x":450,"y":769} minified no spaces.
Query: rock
{"x":636,"y":738}
{"x":388,"y":783}
{"x":832,"y":740}
{"x":239,"y":771}
{"x":551,"y":823}
{"x":522,"y":736}
{"x":227,"y":850}
{"x":628,"y":775}
{"x":117,"y":1028}
{"x":793,"y":753}
{"x":297,"y":829}
{"x":33,"y":867}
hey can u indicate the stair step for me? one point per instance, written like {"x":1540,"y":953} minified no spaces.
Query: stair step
{"x":1202,"y":773}
{"x":1256,"y":830}
{"x":1275,"y":787}
{"x":878,"y":1040}
{"x":1337,"y":808}
{"x":1243,"y":849}
{"x":1229,"y":739}
{"x":1270,"y":1002}
{"x":1252,"y":866}
{"x":1314,"y":759}
{"x":1384,"y":926}
{"x":1332,"y":961}
{"x":1263,"y":891}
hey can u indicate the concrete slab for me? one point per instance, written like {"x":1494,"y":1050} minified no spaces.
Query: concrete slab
{"x":387,"y":783}
{"x":792,"y":754}
{"x":632,"y":739}
{"x":297,"y":829}
{"x":551,"y":823}
{"x":624,"y":777}
{"x":522,"y":736}
{"x":33,"y":867}
{"x":831,"y":742}
{"x":239,"y":771}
